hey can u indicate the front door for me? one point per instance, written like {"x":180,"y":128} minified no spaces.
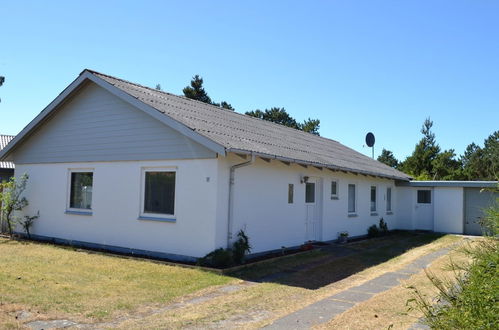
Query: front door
{"x":313,"y":211}
{"x":423,"y":213}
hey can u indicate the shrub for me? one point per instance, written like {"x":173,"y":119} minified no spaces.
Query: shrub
{"x":222,"y":258}
{"x":219,"y":258}
{"x":373,"y":231}
{"x":240,"y":247}
{"x":383,"y":226}
{"x":12,"y":201}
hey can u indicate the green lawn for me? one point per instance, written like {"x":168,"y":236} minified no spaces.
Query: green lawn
{"x":92,"y":285}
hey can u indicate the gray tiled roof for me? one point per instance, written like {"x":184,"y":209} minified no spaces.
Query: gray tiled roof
{"x":239,"y":132}
{"x":4,"y":139}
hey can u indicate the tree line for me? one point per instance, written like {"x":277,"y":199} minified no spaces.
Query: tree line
{"x":429,"y":162}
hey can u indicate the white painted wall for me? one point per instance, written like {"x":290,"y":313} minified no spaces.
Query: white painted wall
{"x":447,"y":204}
{"x":116,"y":206}
{"x":406,"y":199}
{"x":261,"y":203}
{"x":448,"y":209}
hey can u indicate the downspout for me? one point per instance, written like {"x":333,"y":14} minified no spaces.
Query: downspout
{"x":231,"y":196}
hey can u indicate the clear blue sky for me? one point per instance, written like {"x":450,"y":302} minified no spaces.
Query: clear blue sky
{"x":358,"y":66}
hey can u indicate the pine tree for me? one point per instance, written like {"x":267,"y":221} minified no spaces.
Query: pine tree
{"x":388,"y":158}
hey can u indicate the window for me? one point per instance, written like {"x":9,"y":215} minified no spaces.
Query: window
{"x":351,"y":198}
{"x":159,"y":192}
{"x":310,"y":192}
{"x":388,"y":199}
{"x":424,"y":196}
{"x":80,"y":195}
{"x":373,"y":198}
{"x":334,"y":189}
{"x":290,"y":193}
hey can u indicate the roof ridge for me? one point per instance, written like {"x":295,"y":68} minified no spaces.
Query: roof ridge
{"x":206,"y":104}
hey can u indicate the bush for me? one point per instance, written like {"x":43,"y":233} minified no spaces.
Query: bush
{"x":219,"y":258}
{"x":373,"y":231}
{"x":222,"y":258}
{"x":240,"y":247}
{"x":383,"y":226}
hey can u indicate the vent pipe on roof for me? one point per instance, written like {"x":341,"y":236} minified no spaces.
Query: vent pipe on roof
{"x":231,"y":196}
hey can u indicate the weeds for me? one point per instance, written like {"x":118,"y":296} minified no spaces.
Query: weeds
{"x":470,"y":300}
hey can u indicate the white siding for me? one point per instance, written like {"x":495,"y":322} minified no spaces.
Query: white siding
{"x":261,"y":204}
{"x":448,"y":210}
{"x":116,"y":206}
{"x":95,"y":125}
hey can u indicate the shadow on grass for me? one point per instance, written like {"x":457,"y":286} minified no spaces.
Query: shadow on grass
{"x":335,"y":262}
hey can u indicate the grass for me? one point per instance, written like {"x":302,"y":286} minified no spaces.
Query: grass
{"x":93,"y":286}
{"x":90,"y":287}
{"x":470,"y":298}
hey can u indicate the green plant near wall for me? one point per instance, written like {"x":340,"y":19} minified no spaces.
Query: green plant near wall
{"x":12,"y":200}
{"x":222,"y":258}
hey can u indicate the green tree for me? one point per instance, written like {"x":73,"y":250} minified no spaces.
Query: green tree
{"x":310,"y":126}
{"x":281,"y":116}
{"x":275,"y":115}
{"x":158,"y":87}
{"x":226,"y":105}
{"x":12,"y":200}
{"x":446,"y":167}
{"x":482,"y":163}
{"x":388,"y":158}
{"x":420,"y":163}
{"x":196,"y":91}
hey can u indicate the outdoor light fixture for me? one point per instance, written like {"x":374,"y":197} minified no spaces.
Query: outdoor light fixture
{"x":304,"y":179}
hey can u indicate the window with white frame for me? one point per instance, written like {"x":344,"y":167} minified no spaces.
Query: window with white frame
{"x":158,"y":196}
{"x":334,"y":189}
{"x":389,"y":199}
{"x":351,"y":198}
{"x":80,"y":189}
{"x":373,"y":198}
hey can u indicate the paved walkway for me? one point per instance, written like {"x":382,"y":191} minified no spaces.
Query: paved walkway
{"x":328,"y":308}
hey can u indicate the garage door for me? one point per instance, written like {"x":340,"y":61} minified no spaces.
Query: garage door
{"x":475,"y":201}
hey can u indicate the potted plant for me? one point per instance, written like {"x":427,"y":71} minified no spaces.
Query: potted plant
{"x":343,"y":237}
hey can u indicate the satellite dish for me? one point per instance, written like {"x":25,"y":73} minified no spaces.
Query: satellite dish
{"x":370,"y":139}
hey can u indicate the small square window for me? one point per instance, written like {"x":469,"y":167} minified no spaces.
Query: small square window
{"x":80,"y":195}
{"x":334,"y":189}
{"x":290,"y":193}
{"x":424,"y":196}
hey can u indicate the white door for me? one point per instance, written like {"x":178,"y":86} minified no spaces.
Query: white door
{"x":313,"y":210}
{"x":423,"y":213}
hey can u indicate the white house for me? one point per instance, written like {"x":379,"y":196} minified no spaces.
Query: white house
{"x":121,"y":166}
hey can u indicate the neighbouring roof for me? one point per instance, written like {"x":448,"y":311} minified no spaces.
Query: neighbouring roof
{"x":466,"y":184}
{"x":4,"y":140}
{"x":228,"y":130}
